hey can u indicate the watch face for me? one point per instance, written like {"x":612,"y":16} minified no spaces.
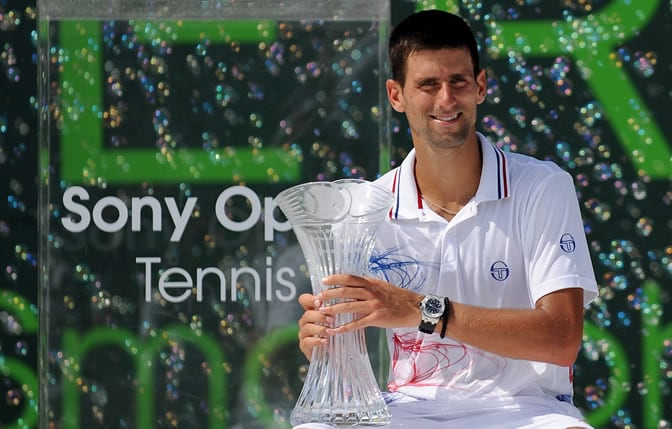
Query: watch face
{"x":433,"y":306}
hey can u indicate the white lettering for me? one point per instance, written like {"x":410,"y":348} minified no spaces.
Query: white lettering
{"x":279,"y":277}
{"x":78,"y":209}
{"x":148,"y":274}
{"x":255,"y":205}
{"x":201,"y":273}
{"x":269,"y":277}
{"x":180,"y":219}
{"x":271,"y":224}
{"x":122,"y":214}
{"x":165,"y":284}
{"x":136,"y":208}
{"x":79,"y":218}
{"x":237,"y":272}
{"x":166,"y":287}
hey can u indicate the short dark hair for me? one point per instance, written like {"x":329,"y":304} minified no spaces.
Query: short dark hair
{"x":429,"y":29}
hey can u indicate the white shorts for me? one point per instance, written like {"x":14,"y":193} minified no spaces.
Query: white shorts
{"x":528,"y":414}
{"x":483,"y":421}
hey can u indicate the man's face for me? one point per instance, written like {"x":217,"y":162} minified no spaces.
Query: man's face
{"x":439,"y":97}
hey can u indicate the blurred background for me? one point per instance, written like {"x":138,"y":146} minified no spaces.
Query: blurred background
{"x":138,"y":212}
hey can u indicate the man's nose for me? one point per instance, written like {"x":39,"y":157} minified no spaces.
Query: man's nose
{"x":445,"y":95}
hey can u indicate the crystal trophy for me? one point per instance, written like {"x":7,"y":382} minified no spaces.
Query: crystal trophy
{"x":335,"y":225}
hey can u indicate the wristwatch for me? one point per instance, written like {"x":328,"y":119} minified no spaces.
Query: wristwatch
{"x":431,"y":309}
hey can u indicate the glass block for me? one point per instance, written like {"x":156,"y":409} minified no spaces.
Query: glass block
{"x":169,"y":277}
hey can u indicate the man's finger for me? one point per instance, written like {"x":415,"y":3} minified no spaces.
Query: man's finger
{"x":312,"y":330}
{"x":345,"y":279}
{"x":314,"y":317}
{"x":307,"y":301}
{"x":344,"y":293}
{"x":347,"y":327}
{"x":345,"y":307}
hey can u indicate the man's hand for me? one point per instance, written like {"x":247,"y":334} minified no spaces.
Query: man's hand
{"x":312,"y":325}
{"x":376,"y":302}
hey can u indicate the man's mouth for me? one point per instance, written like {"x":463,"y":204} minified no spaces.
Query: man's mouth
{"x":446,"y":118}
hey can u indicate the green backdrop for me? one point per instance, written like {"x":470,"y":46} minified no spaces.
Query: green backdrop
{"x":139,"y":210}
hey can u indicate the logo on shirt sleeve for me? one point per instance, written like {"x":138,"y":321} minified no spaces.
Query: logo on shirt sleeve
{"x":499,"y":271}
{"x":567,"y":243}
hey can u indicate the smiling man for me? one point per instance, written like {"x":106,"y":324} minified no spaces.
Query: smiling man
{"x":482,"y":270}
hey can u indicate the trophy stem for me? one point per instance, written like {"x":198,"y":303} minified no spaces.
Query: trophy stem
{"x":340,"y":387}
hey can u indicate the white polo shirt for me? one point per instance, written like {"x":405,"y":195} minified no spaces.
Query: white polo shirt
{"x":520,"y":238}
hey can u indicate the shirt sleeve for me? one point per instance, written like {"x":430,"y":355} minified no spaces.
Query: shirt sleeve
{"x":554,"y":239}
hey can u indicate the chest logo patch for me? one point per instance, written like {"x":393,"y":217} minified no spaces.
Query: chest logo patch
{"x":499,"y":271}
{"x":567,"y":243}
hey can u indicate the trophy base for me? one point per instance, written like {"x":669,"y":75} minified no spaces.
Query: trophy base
{"x":340,"y":418}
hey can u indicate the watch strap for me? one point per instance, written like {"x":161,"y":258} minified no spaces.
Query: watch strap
{"x":427,"y":327}
{"x":444,"y":316}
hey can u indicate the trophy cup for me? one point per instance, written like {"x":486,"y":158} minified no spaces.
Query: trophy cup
{"x":335,"y":223}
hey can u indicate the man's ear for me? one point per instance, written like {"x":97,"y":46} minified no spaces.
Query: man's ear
{"x":394,"y":95}
{"x":482,"y":87}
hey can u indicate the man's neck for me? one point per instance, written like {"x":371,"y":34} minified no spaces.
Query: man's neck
{"x":449,"y":178}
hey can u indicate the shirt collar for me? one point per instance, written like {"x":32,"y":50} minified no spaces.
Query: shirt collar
{"x":494,"y":183}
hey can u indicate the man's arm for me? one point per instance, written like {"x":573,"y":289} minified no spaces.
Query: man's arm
{"x":551,"y":332}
